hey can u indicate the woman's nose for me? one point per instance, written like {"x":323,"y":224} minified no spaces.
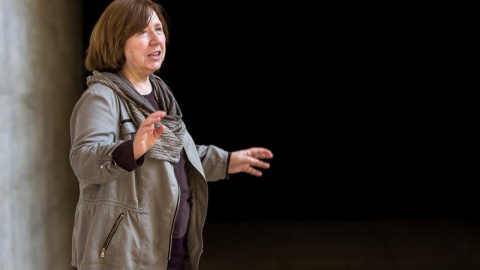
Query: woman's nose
{"x":154,"y":38}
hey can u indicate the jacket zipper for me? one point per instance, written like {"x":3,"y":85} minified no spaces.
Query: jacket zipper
{"x":110,"y":235}
{"x":173,"y":222}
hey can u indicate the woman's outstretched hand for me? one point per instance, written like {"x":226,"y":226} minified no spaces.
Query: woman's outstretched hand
{"x":147,"y":134}
{"x":248,"y":160}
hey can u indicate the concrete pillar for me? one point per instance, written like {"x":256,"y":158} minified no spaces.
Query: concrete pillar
{"x":41,"y":77}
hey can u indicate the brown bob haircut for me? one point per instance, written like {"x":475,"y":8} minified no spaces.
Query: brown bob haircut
{"x":118,"y":22}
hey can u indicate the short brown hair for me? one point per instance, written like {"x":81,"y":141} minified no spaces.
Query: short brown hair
{"x":118,"y":22}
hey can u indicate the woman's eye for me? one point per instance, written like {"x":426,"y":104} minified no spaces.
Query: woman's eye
{"x":159,"y":29}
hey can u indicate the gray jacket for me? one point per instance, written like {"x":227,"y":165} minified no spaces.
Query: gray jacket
{"x":124,"y":220}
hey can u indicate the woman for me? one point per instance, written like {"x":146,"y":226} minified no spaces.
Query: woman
{"x":142,"y":179}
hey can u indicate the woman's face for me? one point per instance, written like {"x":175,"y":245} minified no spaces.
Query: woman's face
{"x":145,"y":51}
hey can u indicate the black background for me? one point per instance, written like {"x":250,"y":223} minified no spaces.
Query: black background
{"x":354,"y":135}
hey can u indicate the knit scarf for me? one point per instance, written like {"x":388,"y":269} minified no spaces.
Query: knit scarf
{"x":169,"y":145}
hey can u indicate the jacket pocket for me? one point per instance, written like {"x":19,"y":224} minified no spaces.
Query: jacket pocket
{"x":111,"y":234}
{"x":117,"y":229}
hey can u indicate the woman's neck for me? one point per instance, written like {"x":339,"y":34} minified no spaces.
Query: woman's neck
{"x":141,"y":84}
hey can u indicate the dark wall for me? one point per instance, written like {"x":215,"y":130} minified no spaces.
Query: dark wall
{"x":345,"y":143}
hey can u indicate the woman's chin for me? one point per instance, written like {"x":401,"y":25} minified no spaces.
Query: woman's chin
{"x":155,"y":67}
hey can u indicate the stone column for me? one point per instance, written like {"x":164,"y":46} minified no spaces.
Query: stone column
{"x":41,"y":77}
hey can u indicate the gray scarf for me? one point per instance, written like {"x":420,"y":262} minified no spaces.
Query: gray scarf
{"x":169,"y":146}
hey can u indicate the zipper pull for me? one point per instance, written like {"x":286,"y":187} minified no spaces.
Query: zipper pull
{"x":102,"y":254}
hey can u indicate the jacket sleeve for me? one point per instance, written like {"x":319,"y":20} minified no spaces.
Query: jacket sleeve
{"x":214,"y":161}
{"x":94,"y":129}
